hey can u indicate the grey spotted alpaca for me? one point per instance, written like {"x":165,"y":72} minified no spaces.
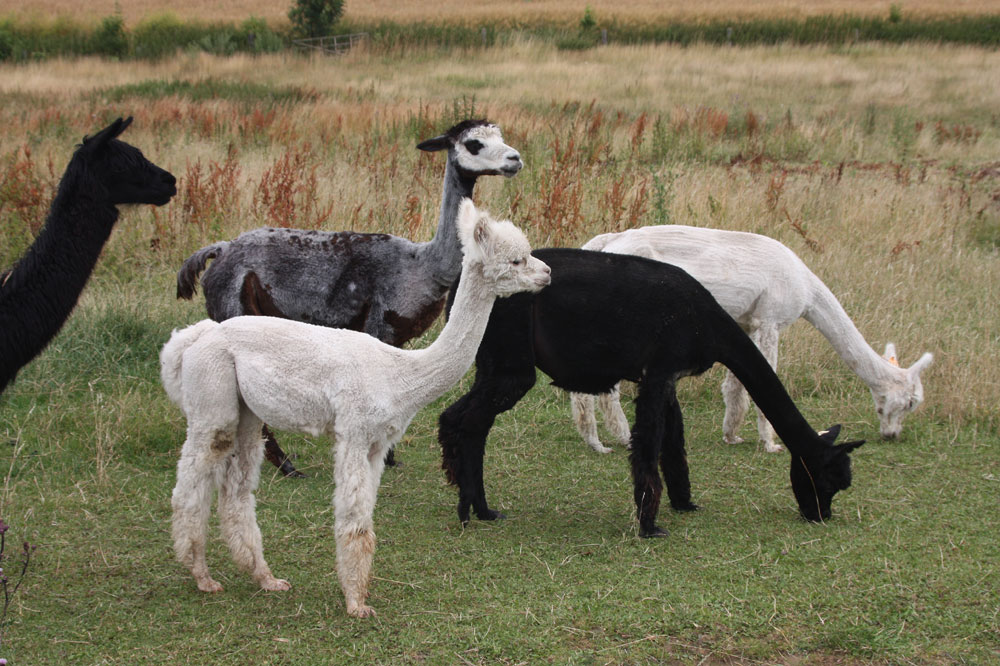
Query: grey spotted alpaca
{"x":389,"y":287}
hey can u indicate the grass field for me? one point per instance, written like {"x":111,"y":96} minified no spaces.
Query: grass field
{"x":878,"y":165}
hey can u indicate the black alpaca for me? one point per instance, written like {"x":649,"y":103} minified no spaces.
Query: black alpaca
{"x":605,"y":318}
{"x":39,"y":292}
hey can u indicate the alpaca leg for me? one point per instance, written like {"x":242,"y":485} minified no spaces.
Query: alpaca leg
{"x":357,"y":474}
{"x":767,"y":341}
{"x":647,"y":437}
{"x":673,"y":456}
{"x":582,"y":407}
{"x":277,"y":457}
{"x":237,"y":504}
{"x":462,"y":432}
{"x":737,"y":403}
{"x":197,"y":470}
{"x":615,"y":420}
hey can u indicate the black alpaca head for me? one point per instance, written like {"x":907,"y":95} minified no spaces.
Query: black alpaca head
{"x":817,"y":479}
{"x":125,"y":174}
{"x":476,"y":148}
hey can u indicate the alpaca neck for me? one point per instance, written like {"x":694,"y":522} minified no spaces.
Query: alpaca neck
{"x":742,"y":357}
{"x":445,"y":361}
{"x":830,"y":319}
{"x":443,"y":254}
{"x":48,"y":280}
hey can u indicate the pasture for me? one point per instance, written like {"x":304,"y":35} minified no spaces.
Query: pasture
{"x":877,"y":165}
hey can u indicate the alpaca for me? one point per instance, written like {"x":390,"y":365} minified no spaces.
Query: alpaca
{"x":765,"y":287}
{"x":39,"y":292}
{"x":389,"y":287}
{"x":231,"y":376}
{"x":607,"y":317}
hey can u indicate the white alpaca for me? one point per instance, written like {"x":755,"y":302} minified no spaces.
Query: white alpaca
{"x":230,"y":377}
{"x":765,"y":287}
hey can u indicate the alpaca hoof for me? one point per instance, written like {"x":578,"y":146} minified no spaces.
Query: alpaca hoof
{"x":732,"y":439}
{"x":684,"y":508}
{"x":600,"y":449}
{"x":361,"y":611}
{"x":273,"y":584}
{"x":490,"y":514}
{"x":771,"y":447}
{"x":288,"y":470}
{"x":655,"y":533}
{"x":209,"y":585}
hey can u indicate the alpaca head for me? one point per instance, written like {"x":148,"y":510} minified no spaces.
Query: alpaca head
{"x":821,"y":475}
{"x":476,"y":148}
{"x":500,"y":251}
{"x":899,"y":396}
{"x":125,"y":174}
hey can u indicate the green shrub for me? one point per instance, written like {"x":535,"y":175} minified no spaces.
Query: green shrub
{"x":110,"y":38}
{"x":255,"y":36}
{"x":6,"y":44}
{"x":315,"y":18}
{"x":163,"y":35}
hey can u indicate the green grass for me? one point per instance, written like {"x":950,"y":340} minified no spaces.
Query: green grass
{"x":895,"y":198}
{"x":198,"y":91}
{"x":905,"y":571}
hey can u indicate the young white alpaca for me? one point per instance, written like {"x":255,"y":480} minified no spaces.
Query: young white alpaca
{"x":230,"y":377}
{"x":765,"y":287}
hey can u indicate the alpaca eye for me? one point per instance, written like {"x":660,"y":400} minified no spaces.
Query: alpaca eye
{"x":473,"y":146}
{"x":516,"y":262}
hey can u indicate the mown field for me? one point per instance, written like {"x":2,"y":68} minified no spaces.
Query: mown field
{"x":878,"y":165}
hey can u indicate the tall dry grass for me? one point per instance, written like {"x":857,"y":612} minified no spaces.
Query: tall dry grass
{"x":877,"y":165}
{"x":453,"y":11}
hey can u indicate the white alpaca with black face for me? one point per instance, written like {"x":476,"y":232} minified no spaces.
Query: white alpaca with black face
{"x":390,"y":287}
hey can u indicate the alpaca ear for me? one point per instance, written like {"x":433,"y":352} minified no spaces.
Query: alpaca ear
{"x":437,"y":143}
{"x":921,"y":364}
{"x":847,"y":447}
{"x":468,"y":223}
{"x":830,"y":434}
{"x":890,"y":354}
{"x":112,"y":131}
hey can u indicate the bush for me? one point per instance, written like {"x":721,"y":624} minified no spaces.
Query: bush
{"x":110,"y":38}
{"x":256,"y":37}
{"x":315,"y":18}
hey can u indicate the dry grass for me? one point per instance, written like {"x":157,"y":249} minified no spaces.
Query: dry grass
{"x":877,"y":151}
{"x":455,"y":11}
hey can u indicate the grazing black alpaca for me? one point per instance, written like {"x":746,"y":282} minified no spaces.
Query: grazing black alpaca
{"x":389,"y":287}
{"x":39,"y":292}
{"x":608,"y":317}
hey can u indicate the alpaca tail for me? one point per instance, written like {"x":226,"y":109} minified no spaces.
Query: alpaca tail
{"x":187,"y":276}
{"x":172,"y":354}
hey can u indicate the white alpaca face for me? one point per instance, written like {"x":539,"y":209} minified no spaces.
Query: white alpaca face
{"x":501,"y":251}
{"x":893,"y":405}
{"x":481,"y":151}
{"x":511,"y":267}
{"x":902,"y":396}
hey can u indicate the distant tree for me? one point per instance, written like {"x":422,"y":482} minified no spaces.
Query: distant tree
{"x":315,"y":18}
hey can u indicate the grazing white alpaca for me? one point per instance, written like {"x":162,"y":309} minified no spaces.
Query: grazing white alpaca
{"x":765,"y":287}
{"x":230,"y":377}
